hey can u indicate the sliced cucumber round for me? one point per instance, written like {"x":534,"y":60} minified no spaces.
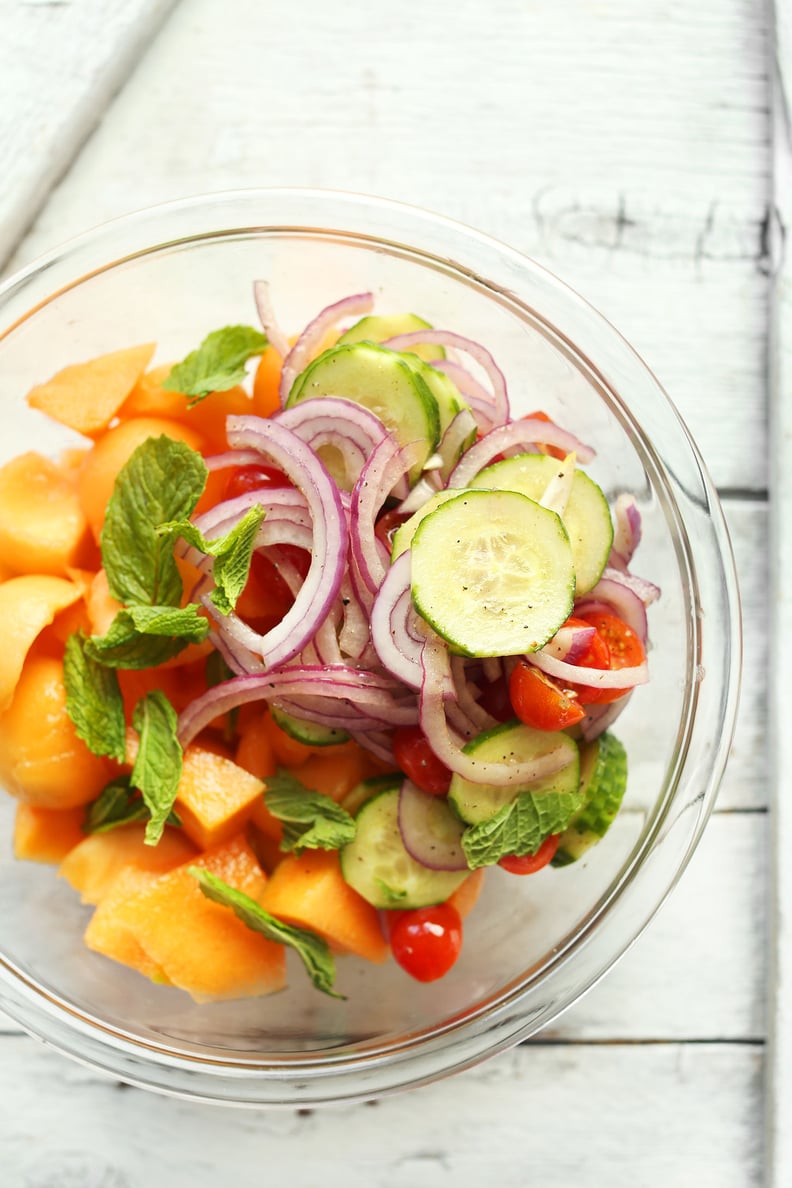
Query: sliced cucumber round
{"x":354,"y":800}
{"x":379,"y":327}
{"x":587,"y":517}
{"x":382,"y":381}
{"x":517,"y":743}
{"x":310,"y":733}
{"x":377,"y":865}
{"x":492,"y":573}
{"x":603,"y":782}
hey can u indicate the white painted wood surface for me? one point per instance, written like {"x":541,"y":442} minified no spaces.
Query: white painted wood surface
{"x":626,"y":146}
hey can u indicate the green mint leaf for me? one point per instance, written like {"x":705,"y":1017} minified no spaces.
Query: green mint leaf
{"x":311,"y":820}
{"x":118,"y":804}
{"x":231,"y":554}
{"x":313,"y":951}
{"x":163,"y":480}
{"x":519,"y":827}
{"x":93,"y":700}
{"x":217,"y":364}
{"x":158,"y":765}
{"x":145,"y":636}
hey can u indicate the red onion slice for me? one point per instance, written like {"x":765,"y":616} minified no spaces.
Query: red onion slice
{"x":627,"y":530}
{"x":499,"y":400}
{"x":570,"y":643}
{"x":330,"y":535}
{"x":431,"y":833}
{"x":301,"y":353}
{"x":527,"y":432}
{"x":393,"y":643}
{"x":387,"y":464}
{"x":600,"y":717}
{"x":232,"y":458}
{"x":593,"y":678}
{"x":269,"y":323}
{"x":331,"y":421}
{"x":647,"y":591}
{"x":618,"y":599}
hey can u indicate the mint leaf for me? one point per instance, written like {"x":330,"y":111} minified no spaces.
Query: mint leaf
{"x":163,"y":480}
{"x":312,"y":949}
{"x":231,"y":553}
{"x":145,"y":636}
{"x":158,"y":765}
{"x":311,"y":820}
{"x":519,"y":827}
{"x":118,"y":804}
{"x":217,"y":364}
{"x":93,"y":700}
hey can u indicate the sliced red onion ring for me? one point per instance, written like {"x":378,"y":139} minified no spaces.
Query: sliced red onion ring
{"x":570,"y":643}
{"x":647,"y":591}
{"x":529,"y":431}
{"x":431,"y":833}
{"x":232,"y":458}
{"x":301,"y":353}
{"x":448,"y":746}
{"x":330,"y":535}
{"x":269,"y":323}
{"x":393,"y":643}
{"x":458,"y":432}
{"x":377,"y":743}
{"x":593,"y":678}
{"x":600,"y":717}
{"x":387,"y":464}
{"x":465,"y":696}
{"x":331,"y":421}
{"x":556,"y":494}
{"x":355,"y":634}
{"x":499,"y":400}
{"x":627,"y":531}
{"x":615,"y":599}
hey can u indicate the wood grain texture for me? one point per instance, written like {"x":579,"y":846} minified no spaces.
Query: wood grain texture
{"x":61,"y":63}
{"x":623,"y":145}
{"x":779,"y":1098}
{"x":589,"y":1116}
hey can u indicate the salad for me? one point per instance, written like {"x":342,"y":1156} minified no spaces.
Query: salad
{"x":295,"y":657}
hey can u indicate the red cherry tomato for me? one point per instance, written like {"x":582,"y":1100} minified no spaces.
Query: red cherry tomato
{"x":553,"y":451}
{"x":624,"y":649}
{"x":427,"y":941}
{"x":523,"y":864}
{"x":243,"y":479}
{"x":540,"y":702}
{"x":418,"y":761}
{"x":388,"y":524}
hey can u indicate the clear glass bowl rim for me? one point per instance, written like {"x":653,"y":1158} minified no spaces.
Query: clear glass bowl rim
{"x":522,"y":1009}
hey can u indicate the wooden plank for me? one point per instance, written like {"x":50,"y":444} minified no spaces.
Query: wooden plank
{"x":645,"y":186}
{"x":61,"y":65}
{"x":621,"y":1116}
{"x":698,"y":971}
{"x":779,"y":1097}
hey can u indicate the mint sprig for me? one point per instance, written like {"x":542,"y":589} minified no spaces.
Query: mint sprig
{"x":231,"y":553}
{"x":145,"y":636}
{"x":118,"y":804}
{"x":217,"y":364}
{"x":93,"y":700}
{"x":519,"y":827}
{"x":311,"y":820}
{"x":158,"y":765}
{"x":312,"y":949}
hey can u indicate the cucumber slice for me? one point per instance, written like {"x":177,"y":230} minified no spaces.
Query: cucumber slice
{"x":377,"y":865}
{"x":587,"y":517}
{"x":382,"y":381}
{"x":379,"y":327}
{"x":492,"y":573}
{"x":354,"y":800}
{"x":603,"y":781}
{"x":475,"y":803}
{"x":310,"y":733}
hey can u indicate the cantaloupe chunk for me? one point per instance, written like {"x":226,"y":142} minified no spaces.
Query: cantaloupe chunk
{"x":86,"y":396}
{"x":208,"y":416}
{"x":27,"y":605}
{"x":310,"y":891}
{"x":47,"y":835}
{"x":93,"y":866}
{"x":111,"y":453}
{"x":109,"y":934}
{"x":336,"y":770}
{"x":42,"y":525}
{"x":42,"y":761}
{"x":266,"y":383}
{"x":216,"y":797}
{"x":254,"y":753}
{"x":201,"y":946}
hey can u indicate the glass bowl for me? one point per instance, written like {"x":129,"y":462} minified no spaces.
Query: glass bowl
{"x":533,"y":945}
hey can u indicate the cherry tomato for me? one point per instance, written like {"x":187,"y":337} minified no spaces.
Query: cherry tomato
{"x":418,"y":761}
{"x":388,"y":524}
{"x":541,"y":702}
{"x":252,"y":478}
{"x":427,"y":941}
{"x":523,"y":864}
{"x":553,"y":451}
{"x":624,"y":648}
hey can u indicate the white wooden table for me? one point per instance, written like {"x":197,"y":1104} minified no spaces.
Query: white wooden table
{"x":628,"y":146}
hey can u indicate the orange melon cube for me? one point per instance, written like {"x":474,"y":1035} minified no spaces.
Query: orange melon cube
{"x":109,"y":933}
{"x":42,"y":525}
{"x":336,"y":770}
{"x":216,"y":797}
{"x":47,"y":835}
{"x":310,"y":891}
{"x":93,"y":866}
{"x":208,"y":416}
{"x":86,"y":396}
{"x":28,"y":604}
{"x":266,"y":383}
{"x":201,"y":946}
